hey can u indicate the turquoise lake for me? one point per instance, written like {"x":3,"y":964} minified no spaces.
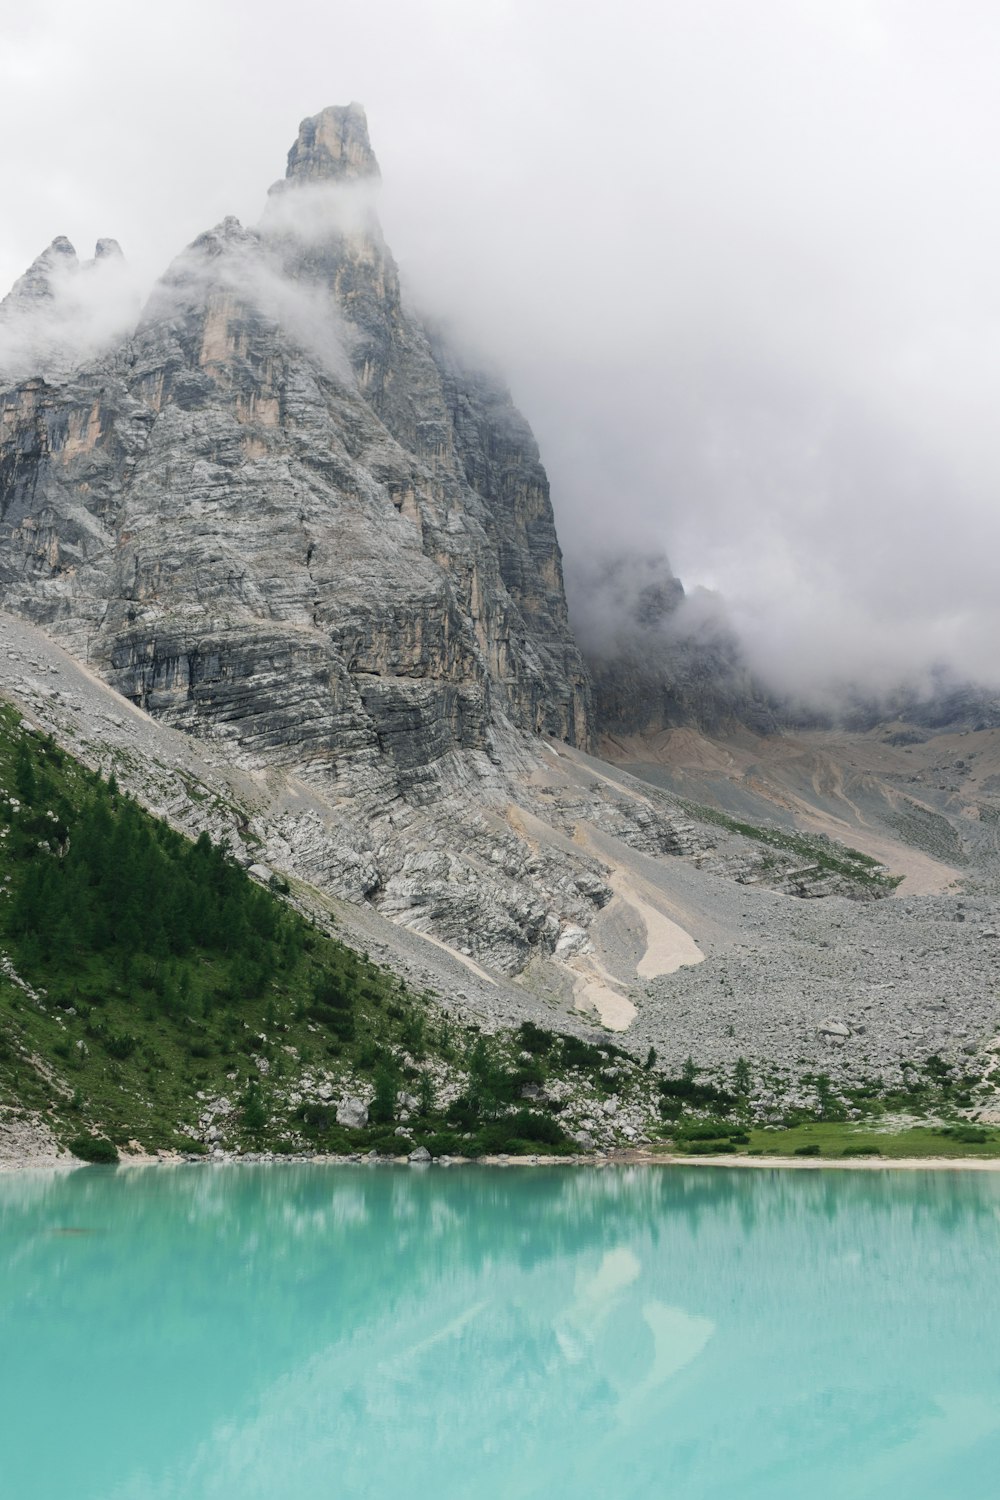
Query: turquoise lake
{"x":297,"y":1332}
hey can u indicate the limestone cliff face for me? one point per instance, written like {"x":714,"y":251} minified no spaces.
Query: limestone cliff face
{"x":277,"y":512}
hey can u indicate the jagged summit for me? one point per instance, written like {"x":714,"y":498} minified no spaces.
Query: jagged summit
{"x":108,"y":249}
{"x":278,"y":513}
{"x":57,"y":259}
{"x":57,"y":262}
{"x":333,"y":146}
{"x":63,"y":311}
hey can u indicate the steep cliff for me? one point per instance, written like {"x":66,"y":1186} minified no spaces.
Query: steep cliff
{"x":277,"y":512}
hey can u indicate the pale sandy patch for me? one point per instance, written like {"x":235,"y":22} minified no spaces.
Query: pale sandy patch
{"x":668,"y":946}
{"x":595,"y":989}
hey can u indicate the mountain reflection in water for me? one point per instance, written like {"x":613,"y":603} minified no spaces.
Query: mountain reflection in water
{"x":307,"y":1331}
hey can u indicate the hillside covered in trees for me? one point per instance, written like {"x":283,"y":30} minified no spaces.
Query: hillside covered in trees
{"x":148,"y":981}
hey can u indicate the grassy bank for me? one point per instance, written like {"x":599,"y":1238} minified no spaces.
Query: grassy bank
{"x":839,"y":1141}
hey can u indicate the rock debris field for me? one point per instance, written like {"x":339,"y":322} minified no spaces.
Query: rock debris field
{"x":851,"y":987}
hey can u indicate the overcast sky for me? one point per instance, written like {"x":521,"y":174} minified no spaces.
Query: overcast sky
{"x":739,"y":260}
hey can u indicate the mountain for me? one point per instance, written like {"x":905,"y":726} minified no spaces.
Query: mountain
{"x":277,"y":476}
{"x":660,"y":660}
{"x":280,"y":515}
{"x":274,"y":553}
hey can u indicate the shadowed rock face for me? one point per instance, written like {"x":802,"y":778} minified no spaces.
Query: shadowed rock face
{"x":279,"y":513}
{"x":658,"y":661}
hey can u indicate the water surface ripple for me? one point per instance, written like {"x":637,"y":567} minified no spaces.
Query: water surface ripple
{"x":302,"y":1332}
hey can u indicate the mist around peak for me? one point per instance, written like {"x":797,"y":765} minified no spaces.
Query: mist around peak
{"x":63,"y":312}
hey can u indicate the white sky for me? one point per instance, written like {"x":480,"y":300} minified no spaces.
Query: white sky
{"x":738,"y":259}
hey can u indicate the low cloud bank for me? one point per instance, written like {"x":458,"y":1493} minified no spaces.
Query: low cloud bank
{"x":62,"y":313}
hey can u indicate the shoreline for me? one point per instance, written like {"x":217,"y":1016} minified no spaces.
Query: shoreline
{"x":630,"y":1158}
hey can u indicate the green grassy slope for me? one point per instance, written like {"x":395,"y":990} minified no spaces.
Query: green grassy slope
{"x":834,"y":859}
{"x":148,"y":977}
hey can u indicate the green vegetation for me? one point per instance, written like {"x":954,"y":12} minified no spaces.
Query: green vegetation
{"x":156,"y":978}
{"x":153,"y":993}
{"x":864,"y":1138}
{"x":836,"y":859}
{"x":95,"y":1149}
{"x":840,"y":1140}
{"x":706,"y":1119}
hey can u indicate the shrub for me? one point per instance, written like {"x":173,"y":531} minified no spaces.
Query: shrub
{"x":967,"y":1135}
{"x":811,"y":1149}
{"x":383,"y":1106}
{"x":706,"y":1130}
{"x":535,"y":1039}
{"x":94,"y":1148}
{"x":315,"y":1116}
{"x":462,"y":1113}
{"x":525,"y":1125}
{"x":698,"y":1095}
{"x":120,"y":1044}
{"x":578,"y":1054}
{"x":444,"y":1143}
{"x":387,"y":1143}
{"x":254,"y":1112}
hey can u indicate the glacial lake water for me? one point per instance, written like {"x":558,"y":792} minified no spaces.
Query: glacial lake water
{"x":302,"y":1332}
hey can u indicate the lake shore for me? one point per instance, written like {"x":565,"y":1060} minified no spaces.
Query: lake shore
{"x":630,"y":1158}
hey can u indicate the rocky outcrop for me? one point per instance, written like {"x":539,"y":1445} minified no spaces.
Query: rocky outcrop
{"x":62,"y":312}
{"x":659,"y":659}
{"x":281,"y":515}
{"x":276,"y":512}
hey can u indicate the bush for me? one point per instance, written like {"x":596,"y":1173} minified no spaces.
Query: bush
{"x":462,"y":1113}
{"x":527,"y":1126}
{"x":535,"y":1039}
{"x":861,"y":1151}
{"x":967,"y":1135}
{"x":382,"y":1110}
{"x":577,"y":1053}
{"x":442,"y":1143}
{"x":94,"y":1148}
{"x":387,"y":1143}
{"x":706,"y":1130}
{"x":812,"y":1149}
{"x":254,"y":1111}
{"x":315,"y":1116}
{"x":689,"y":1091}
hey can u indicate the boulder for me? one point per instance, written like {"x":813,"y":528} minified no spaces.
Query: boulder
{"x":352,"y":1113}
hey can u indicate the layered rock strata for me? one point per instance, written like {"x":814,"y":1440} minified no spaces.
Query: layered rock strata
{"x":277,"y":513}
{"x":272,"y":511}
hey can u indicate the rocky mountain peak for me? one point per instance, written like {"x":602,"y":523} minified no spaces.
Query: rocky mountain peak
{"x":333,"y":146}
{"x":275,"y":511}
{"x":55,"y":261}
{"x":107,"y":249}
{"x":63,"y":310}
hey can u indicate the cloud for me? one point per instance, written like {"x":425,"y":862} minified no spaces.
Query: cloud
{"x":249,"y":268}
{"x":310,"y":213}
{"x":61,"y":313}
{"x":737,"y":263}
